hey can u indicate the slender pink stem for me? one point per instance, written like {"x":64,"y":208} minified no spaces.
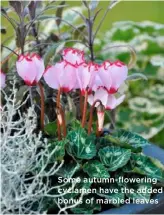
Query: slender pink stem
{"x":59,"y":130}
{"x":58,"y":106}
{"x":91,"y":115}
{"x":98,"y":133}
{"x":63,"y":122}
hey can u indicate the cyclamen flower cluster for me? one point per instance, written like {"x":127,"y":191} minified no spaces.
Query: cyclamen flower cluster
{"x":98,"y":82}
{"x":101,"y":82}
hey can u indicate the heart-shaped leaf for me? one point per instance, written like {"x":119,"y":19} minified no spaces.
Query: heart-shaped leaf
{"x":121,"y":137}
{"x":95,"y":169}
{"x":114,"y":157}
{"x":145,"y":165}
{"x":80,"y":144}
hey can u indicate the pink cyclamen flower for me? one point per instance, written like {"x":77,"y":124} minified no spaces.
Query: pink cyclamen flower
{"x":73,"y":56}
{"x":112,"y":75}
{"x":62,"y":75}
{"x":30,"y":68}
{"x":109,"y":101}
{"x":86,"y":74}
{"x":2,"y":79}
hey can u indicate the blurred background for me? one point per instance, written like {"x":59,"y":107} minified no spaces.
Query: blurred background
{"x":139,"y":24}
{"x":131,"y":10}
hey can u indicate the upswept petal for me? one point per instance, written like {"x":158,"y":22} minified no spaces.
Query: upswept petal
{"x":73,"y":56}
{"x":83,"y":76}
{"x":120,"y":100}
{"x":97,"y":83}
{"x":30,"y":68}
{"x":67,"y":76}
{"x":93,"y":69}
{"x":2,"y":79}
{"x":39,"y":65}
{"x":51,"y":77}
{"x":105,"y":77}
{"x":102,"y":95}
{"x":118,"y":72}
{"x":113,"y":102}
{"x":91,"y":99}
{"x":26,"y":69}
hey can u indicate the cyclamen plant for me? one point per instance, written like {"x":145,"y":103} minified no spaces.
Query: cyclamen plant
{"x":80,"y":150}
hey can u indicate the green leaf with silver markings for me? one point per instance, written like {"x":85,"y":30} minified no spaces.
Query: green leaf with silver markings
{"x":145,"y":165}
{"x":122,"y":137}
{"x":95,"y":169}
{"x":114,"y":157}
{"x":80,"y":144}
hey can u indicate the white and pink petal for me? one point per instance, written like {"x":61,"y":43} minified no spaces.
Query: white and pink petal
{"x":67,"y":76}
{"x":39,"y":65}
{"x":83,"y":77}
{"x":2,"y":79}
{"x":73,"y":56}
{"x":102,"y":95}
{"x":51,"y":77}
{"x":119,"y":73}
{"x":26,"y":69}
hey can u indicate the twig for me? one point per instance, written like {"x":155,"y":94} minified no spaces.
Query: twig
{"x":9,"y":49}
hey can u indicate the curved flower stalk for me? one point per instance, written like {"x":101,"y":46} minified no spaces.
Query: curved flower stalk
{"x":61,"y":76}
{"x":23,"y":165}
